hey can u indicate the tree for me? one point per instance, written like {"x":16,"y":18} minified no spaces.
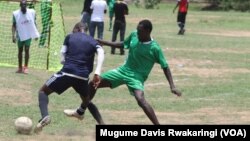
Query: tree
{"x":148,"y":4}
{"x":239,"y":5}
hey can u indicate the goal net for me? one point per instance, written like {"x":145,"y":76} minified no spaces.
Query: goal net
{"x":44,"y":52}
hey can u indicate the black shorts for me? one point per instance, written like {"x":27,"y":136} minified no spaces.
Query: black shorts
{"x":181,"y":17}
{"x":60,"y":82}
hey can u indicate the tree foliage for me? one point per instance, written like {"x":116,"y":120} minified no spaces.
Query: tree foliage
{"x":148,"y":4}
{"x":239,"y":5}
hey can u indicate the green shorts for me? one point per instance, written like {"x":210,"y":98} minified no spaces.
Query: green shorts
{"x":25,"y":43}
{"x":111,"y":13}
{"x":117,"y":78}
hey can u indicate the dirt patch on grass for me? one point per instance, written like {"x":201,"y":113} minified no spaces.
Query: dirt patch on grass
{"x":213,"y":50}
{"x":227,"y":33}
{"x":206,"y":72}
{"x":15,"y":97}
{"x":199,"y":116}
{"x":201,"y":69}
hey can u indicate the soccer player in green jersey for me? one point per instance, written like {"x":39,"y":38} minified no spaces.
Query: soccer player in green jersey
{"x":143,"y":53}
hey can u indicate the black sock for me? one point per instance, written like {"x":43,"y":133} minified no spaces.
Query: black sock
{"x":81,"y":109}
{"x":43,"y":103}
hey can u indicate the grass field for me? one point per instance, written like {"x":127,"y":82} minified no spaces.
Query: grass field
{"x":210,"y":64}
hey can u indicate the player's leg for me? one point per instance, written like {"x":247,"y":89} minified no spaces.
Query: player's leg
{"x":92,"y":107}
{"x":87,"y":92}
{"x":95,"y":113}
{"x":92,"y":28}
{"x":114,"y":36}
{"x":111,"y":15}
{"x":148,"y":110}
{"x":43,"y":101}
{"x":122,"y":34}
{"x":112,"y":79}
{"x":27,"y":55}
{"x":183,"y":22}
{"x":88,"y":17}
{"x":20,"y":46}
{"x":57,"y":83}
{"x":81,"y":87}
{"x":100,"y":29}
{"x":86,"y":20}
{"x":179,"y":22}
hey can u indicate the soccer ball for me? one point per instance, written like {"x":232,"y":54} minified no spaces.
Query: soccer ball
{"x":23,"y":125}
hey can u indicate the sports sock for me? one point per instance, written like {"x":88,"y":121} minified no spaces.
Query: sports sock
{"x":81,"y":109}
{"x":43,"y":103}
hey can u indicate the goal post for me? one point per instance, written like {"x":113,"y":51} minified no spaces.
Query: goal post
{"x":44,"y":52}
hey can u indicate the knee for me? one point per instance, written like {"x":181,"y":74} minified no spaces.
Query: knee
{"x":141,"y":101}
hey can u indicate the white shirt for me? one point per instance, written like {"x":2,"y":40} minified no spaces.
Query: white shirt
{"x":25,"y":24}
{"x":98,"y":7}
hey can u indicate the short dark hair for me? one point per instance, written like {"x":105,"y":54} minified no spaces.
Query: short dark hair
{"x":146,"y":24}
{"x":80,"y":25}
{"x":23,"y":2}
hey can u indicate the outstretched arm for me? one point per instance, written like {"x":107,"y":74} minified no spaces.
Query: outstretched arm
{"x":111,"y":44}
{"x":168,"y":75}
{"x":175,"y":6}
{"x":100,"y":59}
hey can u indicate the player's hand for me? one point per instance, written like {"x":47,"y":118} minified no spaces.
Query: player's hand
{"x":96,"y":81}
{"x":14,"y":39}
{"x":99,"y":41}
{"x":176,"y":91}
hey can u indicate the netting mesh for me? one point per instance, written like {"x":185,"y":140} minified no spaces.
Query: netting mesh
{"x":44,"y":53}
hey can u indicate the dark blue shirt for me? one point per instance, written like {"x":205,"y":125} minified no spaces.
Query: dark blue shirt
{"x":80,"y":54}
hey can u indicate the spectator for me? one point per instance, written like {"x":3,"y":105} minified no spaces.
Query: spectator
{"x":181,"y":16}
{"x":120,"y":10}
{"x":86,"y":14}
{"x":24,"y":30}
{"x":99,"y":8}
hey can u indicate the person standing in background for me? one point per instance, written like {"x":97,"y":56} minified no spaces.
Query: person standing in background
{"x":46,"y":13}
{"x":120,"y":10}
{"x":181,"y":16}
{"x":111,"y":12}
{"x":86,"y":14}
{"x":24,"y":30}
{"x":99,"y":8}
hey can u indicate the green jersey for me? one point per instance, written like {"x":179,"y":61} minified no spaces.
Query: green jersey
{"x":141,"y":57}
{"x":111,"y":4}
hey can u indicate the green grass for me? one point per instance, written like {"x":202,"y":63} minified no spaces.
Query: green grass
{"x":210,"y":64}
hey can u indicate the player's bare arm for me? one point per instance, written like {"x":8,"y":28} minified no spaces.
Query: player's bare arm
{"x":168,"y":75}
{"x":14,"y":33}
{"x":111,"y":44}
